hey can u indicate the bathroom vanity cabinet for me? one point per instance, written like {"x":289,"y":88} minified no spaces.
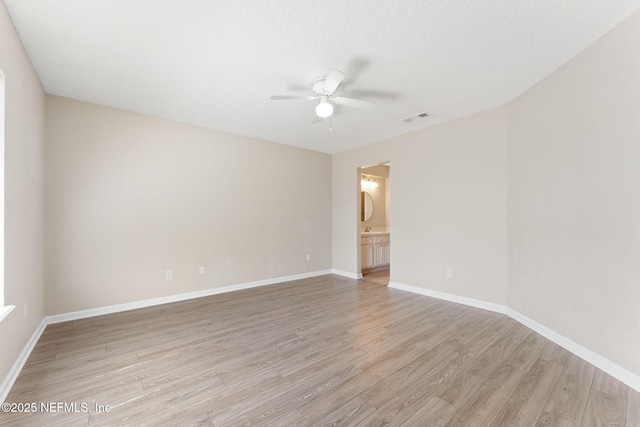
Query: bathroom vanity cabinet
{"x":375,"y":250}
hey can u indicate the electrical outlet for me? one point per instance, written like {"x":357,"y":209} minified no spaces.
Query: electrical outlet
{"x":308,"y":257}
{"x":449,"y":273}
{"x":169,"y":274}
{"x":25,"y":310}
{"x":201,"y":269}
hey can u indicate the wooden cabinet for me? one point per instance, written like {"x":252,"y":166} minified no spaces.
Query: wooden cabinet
{"x":367,"y":252}
{"x":375,"y":251}
{"x":368,"y":260}
{"x":382,"y":254}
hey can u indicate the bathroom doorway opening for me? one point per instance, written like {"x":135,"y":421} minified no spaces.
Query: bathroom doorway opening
{"x":374,"y":208}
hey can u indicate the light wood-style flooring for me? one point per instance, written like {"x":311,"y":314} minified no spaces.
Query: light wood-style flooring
{"x":321,"y":351}
{"x":381,"y":276}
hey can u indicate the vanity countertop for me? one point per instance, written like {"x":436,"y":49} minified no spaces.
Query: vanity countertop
{"x":373,"y":233}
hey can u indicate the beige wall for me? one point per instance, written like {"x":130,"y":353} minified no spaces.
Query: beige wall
{"x":574,"y":198}
{"x":573,"y":201}
{"x":23,"y":248}
{"x":448,"y":206}
{"x":129,"y":196}
{"x":377,"y":170}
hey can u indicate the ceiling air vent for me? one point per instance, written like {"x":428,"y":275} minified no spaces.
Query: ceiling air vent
{"x":422,"y":115}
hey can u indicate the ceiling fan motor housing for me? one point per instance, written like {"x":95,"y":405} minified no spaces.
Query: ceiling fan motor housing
{"x":325,"y":88}
{"x":318,"y":87}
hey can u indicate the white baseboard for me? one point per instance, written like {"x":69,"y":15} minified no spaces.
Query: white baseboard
{"x":613,"y":369}
{"x":622,"y":374}
{"x":75,"y":315}
{"x":498,"y":308}
{"x":12,"y":376}
{"x":347,"y":274}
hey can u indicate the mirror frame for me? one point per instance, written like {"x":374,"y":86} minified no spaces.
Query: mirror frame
{"x":363,"y":213}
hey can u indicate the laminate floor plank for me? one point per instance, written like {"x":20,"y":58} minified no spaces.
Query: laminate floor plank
{"x":300,"y":392}
{"x":415,"y":402}
{"x":607,"y":403}
{"x":289,"y":419}
{"x":408,"y":400}
{"x":525,"y":404}
{"x":240,"y":400}
{"x":379,"y":363}
{"x":321,"y":351}
{"x":483,"y":407}
{"x":633,"y":408}
{"x":569,"y":398}
{"x":351,"y":413}
{"x":411,"y":372}
{"x":441,"y":408}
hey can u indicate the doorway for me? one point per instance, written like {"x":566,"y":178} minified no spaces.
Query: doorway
{"x":374,"y":216}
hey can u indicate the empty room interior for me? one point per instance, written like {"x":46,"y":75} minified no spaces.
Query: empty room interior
{"x":423,"y":213}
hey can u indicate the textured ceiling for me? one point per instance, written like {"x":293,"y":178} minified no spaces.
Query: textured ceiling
{"x":216,"y":63}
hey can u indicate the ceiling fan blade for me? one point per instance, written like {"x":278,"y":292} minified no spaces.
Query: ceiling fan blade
{"x":281,"y":97}
{"x":333,"y":80}
{"x":355,"y":103}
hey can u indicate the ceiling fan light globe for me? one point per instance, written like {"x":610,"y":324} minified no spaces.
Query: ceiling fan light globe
{"x":324,"y":109}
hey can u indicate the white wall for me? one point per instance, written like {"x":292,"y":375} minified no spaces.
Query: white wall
{"x":448,"y":206}
{"x":574,"y":198}
{"x":23,"y":247}
{"x":129,"y":196}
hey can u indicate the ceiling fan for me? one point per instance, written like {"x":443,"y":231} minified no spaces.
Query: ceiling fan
{"x":325,"y":88}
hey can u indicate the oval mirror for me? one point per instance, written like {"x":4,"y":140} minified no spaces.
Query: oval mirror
{"x":366,"y":206}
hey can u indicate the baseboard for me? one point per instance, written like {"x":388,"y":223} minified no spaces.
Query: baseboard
{"x":622,"y":374}
{"x":82,"y":314}
{"x":12,"y":376}
{"x":498,"y":308}
{"x":347,"y":274}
